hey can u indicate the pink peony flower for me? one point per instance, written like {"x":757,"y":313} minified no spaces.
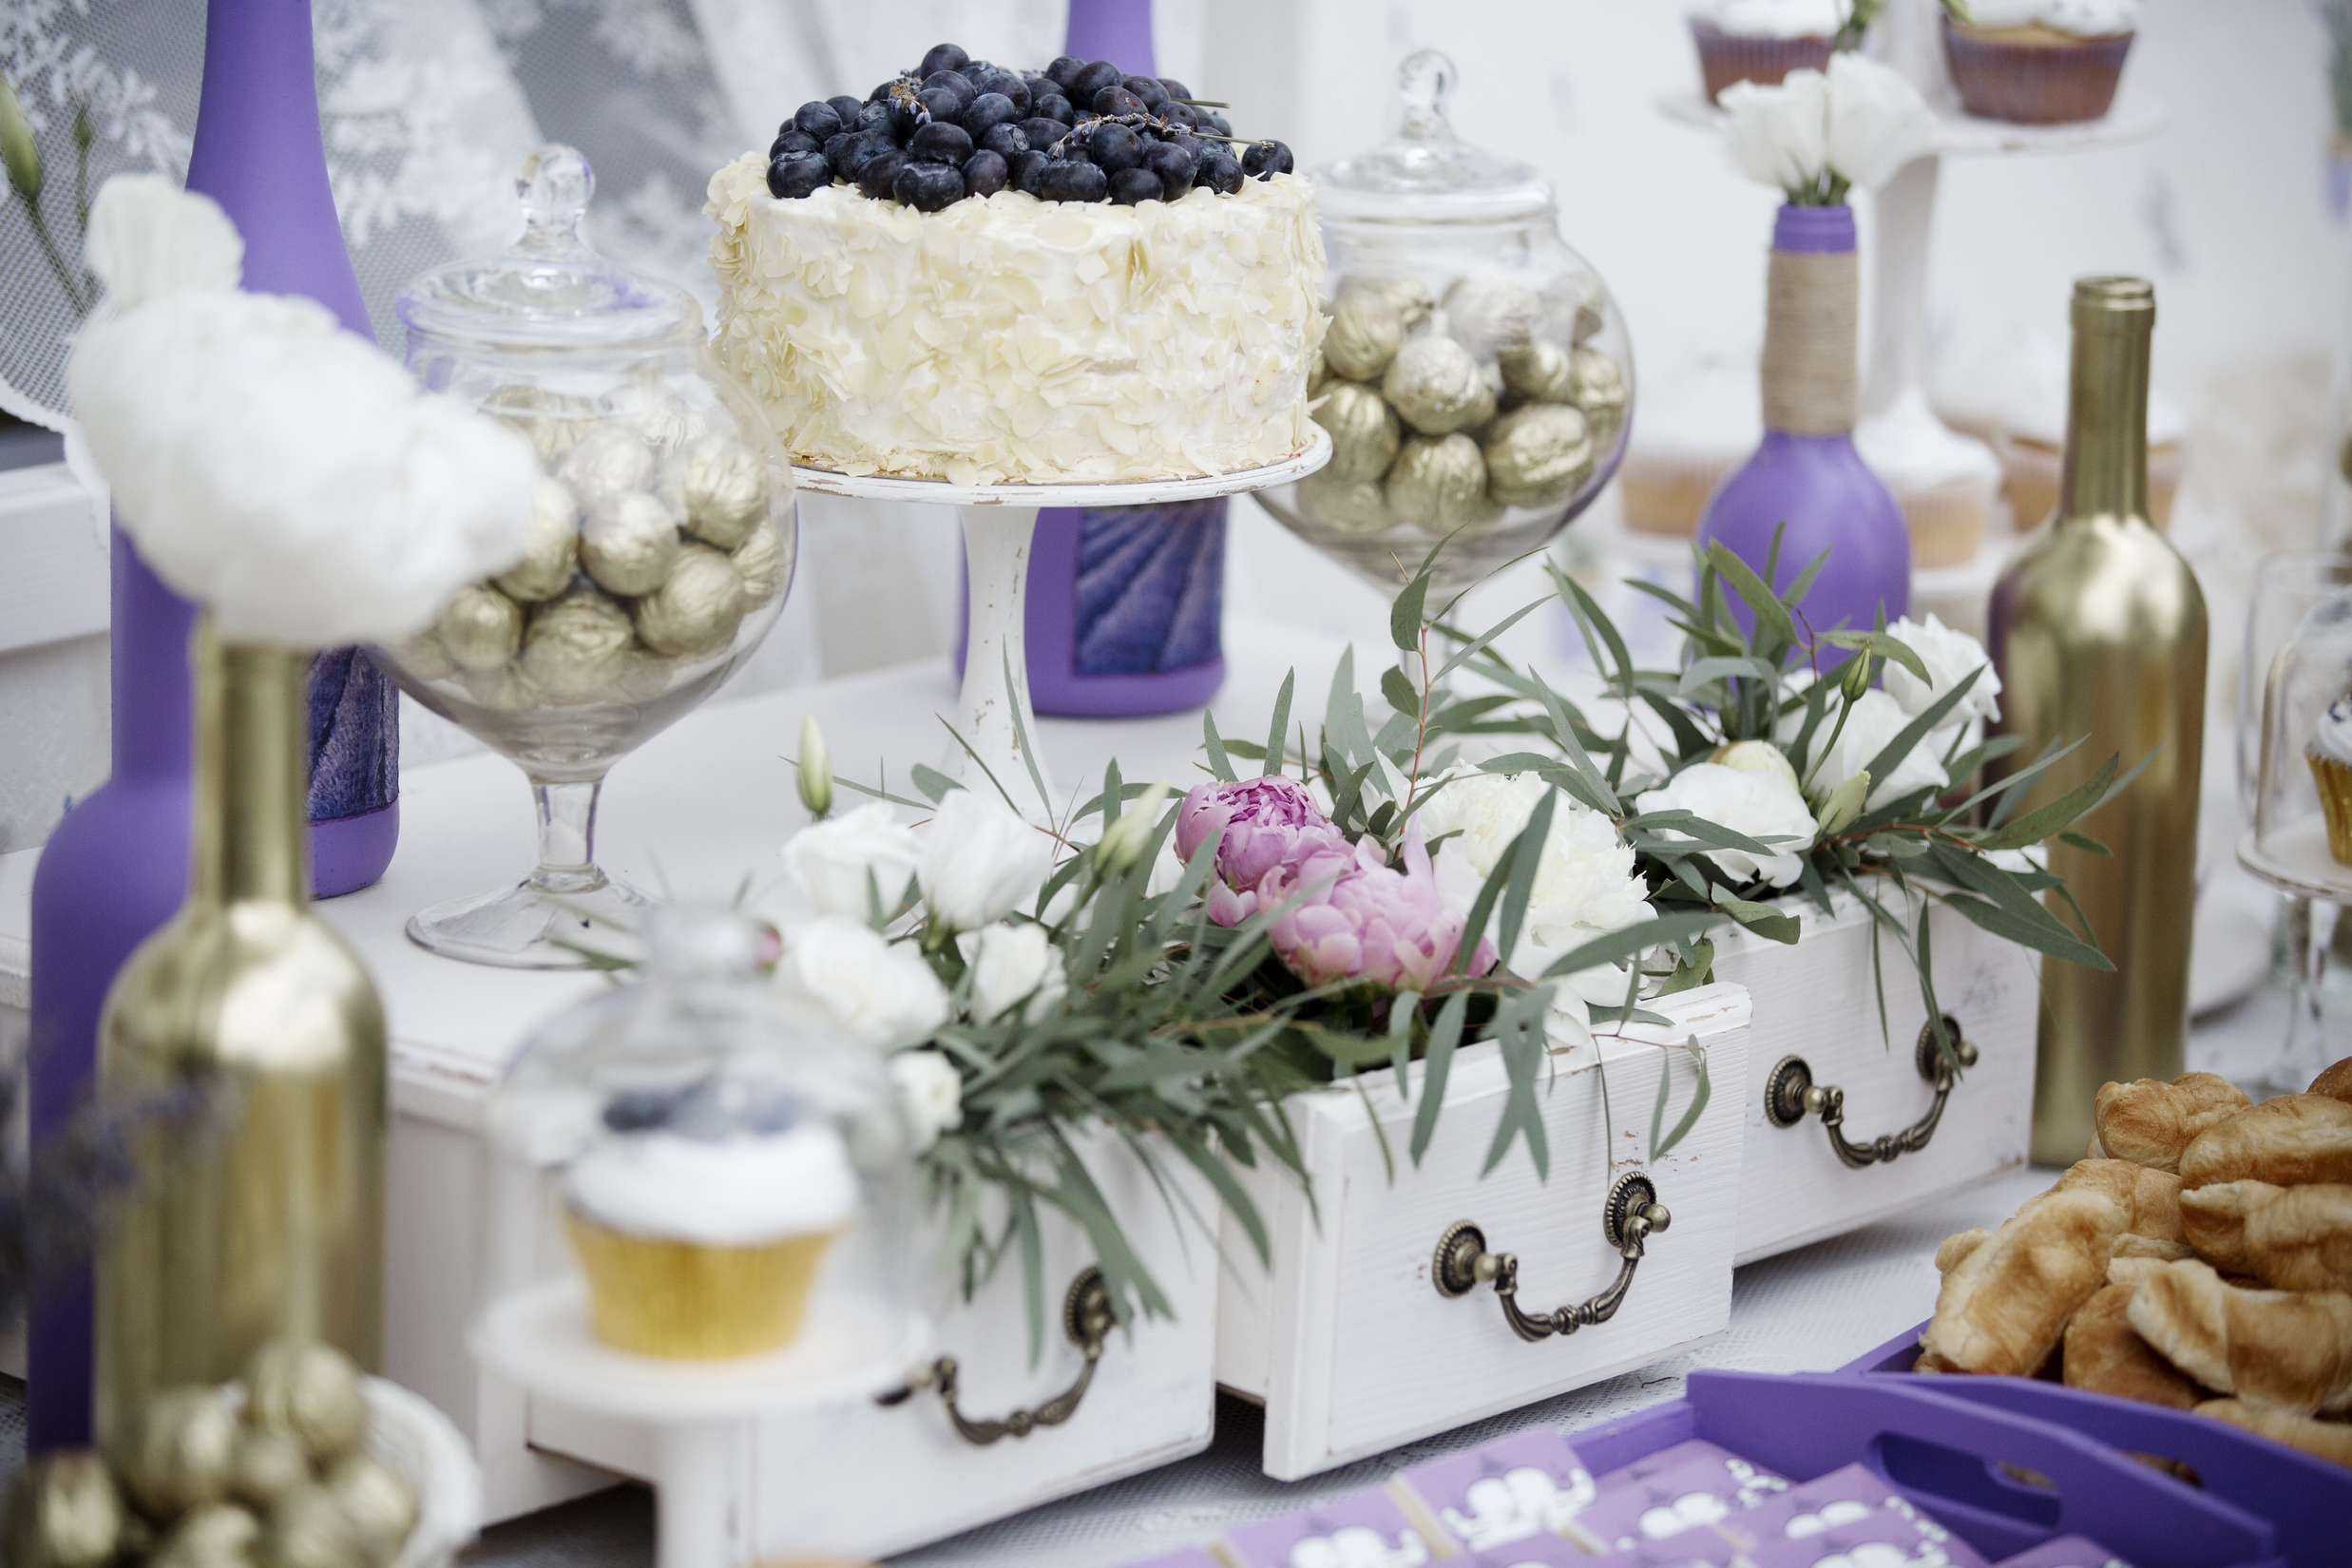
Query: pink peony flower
{"x":1266,"y":823}
{"x":1352,"y":916}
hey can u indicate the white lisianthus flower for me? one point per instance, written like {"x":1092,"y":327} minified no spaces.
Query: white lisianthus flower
{"x":1760,"y":758}
{"x":1648,"y":742}
{"x":839,"y":865}
{"x":280,"y":472}
{"x":1780,"y":135}
{"x":930,"y":1091}
{"x":1949,"y":655}
{"x":1013,"y":965}
{"x":1878,"y":121}
{"x":1762,"y":805}
{"x":1585,"y":887}
{"x":845,"y":975}
{"x":980,"y":862}
{"x":1872,"y":720}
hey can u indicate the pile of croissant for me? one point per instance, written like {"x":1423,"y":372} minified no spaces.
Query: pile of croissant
{"x":2200,"y":1256}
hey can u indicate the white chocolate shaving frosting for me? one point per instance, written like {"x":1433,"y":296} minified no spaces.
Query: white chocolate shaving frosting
{"x":1007,"y":339}
{"x":736,"y":1192}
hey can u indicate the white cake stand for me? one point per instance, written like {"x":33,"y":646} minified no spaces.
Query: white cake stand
{"x":851,"y":1348}
{"x":999,"y":523}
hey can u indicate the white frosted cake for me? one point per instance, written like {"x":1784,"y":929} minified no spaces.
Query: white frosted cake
{"x":1009,"y":339}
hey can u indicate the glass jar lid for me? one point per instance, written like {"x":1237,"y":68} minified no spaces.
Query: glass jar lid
{"x":550,"y":288}
{"x":1425,"y":173}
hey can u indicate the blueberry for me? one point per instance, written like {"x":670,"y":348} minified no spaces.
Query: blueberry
{"x":1007,"y":142}
{"x":940,"y":143}
{"x":1116,"y":101}
{"x":835,"y":143}
{"x":848,"y":158}
{"x":1113,"y":147}
{"x":882,"y":90}
{"x":641,"y":1110}
{"x":1189,"y":143}
{"x":1027,"y":168}
{"x":939,"y":104}
{"x":988,"y":111}
{"x":1216,"y":122}
{"x":1064,"y":69}
{"x":1040,"y":85}
{"x":1128,"y":186}
{"x":1218,"y":171}
{"x":1043,"y":134}
{"x":954,"y":82}
{"x":874,"y":117}
{"x":1146,"y":88}
{"x":878,"y":173}
{"x":818,"y":118}
{"x":794,"y":139}
{"x":942,"y":57}
{"x":1173,"y":165}
{"x":998,"y":79}
{"x":1178,"y":114}
{"x":987,"y":173}
{"x":1067,"y":180}
{"x":1174,"y":89}
{"x":1091,"y":79}
{"x":844,"y":107}
{"x":1054,"y":107}
{"x":1266,"y":159}
{"x":929,"y":187}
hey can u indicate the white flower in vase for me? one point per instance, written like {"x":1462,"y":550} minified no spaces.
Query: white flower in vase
{"x":843,"y":974}
{"x":843,"y":865}
{"x":1780,"y":135}
{"x":1758,"y":757}
{"x":1949,"y":655}
{"x":1013,"y":965}
{"x":930,"y":1092}
{"x":1758,"y":804}
{"x":1870,"y":721}
{"x":1878,"y":121}
{"x":980,"y":861}
{"x":1813,"y":136}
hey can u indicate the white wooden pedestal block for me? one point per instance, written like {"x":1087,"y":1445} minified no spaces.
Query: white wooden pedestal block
{"x":1349,"y":1342}
{"x":1816,"y":1001}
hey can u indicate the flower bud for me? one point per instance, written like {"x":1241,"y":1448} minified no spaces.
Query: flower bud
{"x":1857,"y":677}
{"x":816,"y":770}
{"x":1844,"y":803}
{"x":1123,"y":841}
{"x":17,"y":148}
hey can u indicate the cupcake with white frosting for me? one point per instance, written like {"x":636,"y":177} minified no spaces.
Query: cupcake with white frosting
{"x":2330,"y":756}
{"x":2039,"y":62}
{"x":1763,"y":40}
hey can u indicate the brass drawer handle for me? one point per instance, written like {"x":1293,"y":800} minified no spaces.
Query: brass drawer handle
{"x":1086,"y":1318}
{"x":1629,"y":1218}
{"x":1790,"y":1096}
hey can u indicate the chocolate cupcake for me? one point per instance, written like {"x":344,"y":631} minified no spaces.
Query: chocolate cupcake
{"x":1763,"y":40}
{"x":2041,"y":62}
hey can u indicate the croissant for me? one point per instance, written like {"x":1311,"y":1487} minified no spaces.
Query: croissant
{"x":1958,"y":1246}
{"x":2150,"y":1199}
{"x":2005,"y":1300}
{"x":2213,"y":1219}
{"x":2295,"y":1239}
{"x":2327,"y":1439}
{"x":2150,"y":1121}
{"x":2335,"y":1082}
{"x":2105,"y":1355}
{"x":2286,"y":1142}
{"x":2287,"y":1348}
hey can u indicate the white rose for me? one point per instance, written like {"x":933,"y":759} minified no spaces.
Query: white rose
{"x":1762,"y":806}
{"x":1758,"y":757}
{"x":844,"y":974}
{"x":148,"y":238}
{"x":980,"y":862}
{"x":1878,"y":121}
{"x":1870,"y":723}
{"x":1780,"y":135}
{"x":840,"y":864}
{"x":1012,"y":964}
{"x":931,"y":1093}
{"x":1949,"y":655}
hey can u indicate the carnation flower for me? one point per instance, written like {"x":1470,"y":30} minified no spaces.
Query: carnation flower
{"x":1759,"y":805}
{"x":280,"y":472}
{"x":845,"y":975}
{"x":842,"y":865}
{"x":1264,"y":822}
{"x":1013,"y":965}
{"x":980,"y":861}
{"x":1347,"y":915}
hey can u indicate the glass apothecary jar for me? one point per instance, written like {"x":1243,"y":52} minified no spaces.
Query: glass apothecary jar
{"x":2302,"y":836}
{"x":1476,"y":379}
{"x":663,"y":539}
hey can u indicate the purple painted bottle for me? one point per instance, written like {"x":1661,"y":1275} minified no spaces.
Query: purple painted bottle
{"x":1807,"y":474}
{"x":117,"y":867}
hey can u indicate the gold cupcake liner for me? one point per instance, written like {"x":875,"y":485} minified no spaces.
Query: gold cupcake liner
{"x":692,"y":1301}
{"x":2334,"y":782}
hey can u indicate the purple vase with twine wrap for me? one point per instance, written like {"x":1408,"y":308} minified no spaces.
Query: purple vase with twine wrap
{"x":1805,"y":481}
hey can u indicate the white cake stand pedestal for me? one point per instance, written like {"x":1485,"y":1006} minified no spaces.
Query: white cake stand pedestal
{"x":995,"y":720}
{"x":539,"y":1339}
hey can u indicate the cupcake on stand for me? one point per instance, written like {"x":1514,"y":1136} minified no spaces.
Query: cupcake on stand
{"x":2038,"y":61}
{"x":1763,"y":40}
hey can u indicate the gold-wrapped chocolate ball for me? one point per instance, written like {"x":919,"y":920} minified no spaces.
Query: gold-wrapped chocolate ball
{"x":1487,"y":400}
{"x":309,"y":1529}
{"x":696,"y":609}
{"x":1537,"y":373}
{"x":645,"y":675}
{"x":380,"y":1504}
{"x":628,"y":542}
{"x":1571,"y":307}
{"x":1344,"y":506}
{"x":554,"y":421}
{"x":479,"y":629}
{"x":424,"y":657}
{"x":181,"y":1453}
{"x":64,"y":1511}
{"x":1439,"y":484}
{"x":1433,"y":384}
{"x":1364,"y":431}
{"x":1537,"y":456}
{"x":1409,"y":297}
{"x":1598,"y":387}
{"x":763,"y":563}
{"x":609,"y":459}
{"x":218,"y":1536}
{"x":551,"y":555}
{"x":645,"y":406}
{"x":269,"y":1464}
{"x":1490,"y":315}
{"x":311,"y":1391}
{"x":502,"y":690}
{"x":573,"y":648}
{"x":1363,"y":337}
{"x":724,"y":486}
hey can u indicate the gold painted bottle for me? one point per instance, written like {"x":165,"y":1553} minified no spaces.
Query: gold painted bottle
{"x":269,"y":1222}
{"x":2098,"y":629}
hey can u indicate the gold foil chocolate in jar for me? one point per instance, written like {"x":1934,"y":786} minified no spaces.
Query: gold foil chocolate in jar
{"x":502,"y":690}
{"x":1489,"y":315}
{"x":308,"y":1529}
{"x":1571,"y":309}
{"x":628,"y":541}
{"x":554,"y":421}
{"x":694,"y":611}
{"x":1439,"y":484}
{"x":479,"y":629}
{"x":311,"y":1391}
{"x":270,"y":1462}
{"x":1540,"y":372}
{"x":1598,"y":387}
{"x":763,"y":563}
{"x":1433,"y":384}
{"x":1410,"y":297}
{"x":219,"y":1535}
{"x":1537,"y":456}
{"x":551,"y":556}
{"x":181,"y":1453}
{"x":1344,"y":506}
{"x":609,"y":458}
{"x":723,"y":486}
{"x":1363,"y":335}
{"x":573,"y":648}
{"x":1488,"y":399}
{"x":64,"y":1511}
{"x":655,"y":412}
{"x":379,"y":1505}
{"x":1364,"y":430}
{"x":422,"y":657}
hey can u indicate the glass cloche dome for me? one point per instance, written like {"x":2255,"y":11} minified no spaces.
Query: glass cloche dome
{"x":731,"y":1182}
{"x":2302,"y":836}
{"x":663,"y":538}
{"x":1476,"y":379}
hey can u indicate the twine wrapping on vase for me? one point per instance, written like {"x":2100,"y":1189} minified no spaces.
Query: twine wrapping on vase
{"x":1812,"y":307}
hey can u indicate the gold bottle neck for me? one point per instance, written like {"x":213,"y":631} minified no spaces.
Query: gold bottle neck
{"x":2106,"y":465}
{"x":251,"y":827}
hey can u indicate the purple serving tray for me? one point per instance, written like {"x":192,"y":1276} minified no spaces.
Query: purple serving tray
{"x":1948,"y":1457}
{"x":2306,"y":1501}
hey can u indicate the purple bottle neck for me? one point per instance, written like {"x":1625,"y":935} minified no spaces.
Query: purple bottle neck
{"x":1813,"y":231}
{"x":1117,"y":30}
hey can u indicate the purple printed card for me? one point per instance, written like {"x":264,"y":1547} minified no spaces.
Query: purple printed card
{"x":1192,"y":1557}
{"x":1842,"y":1497}
{"x":1366,"y":1530}
{"x":1535,"y":1552}
{"x":2066,"y":1552}
{"x":1897,"y":1536}
{"x":1523,"y":1486}
{"x":1690,"y":1549}
{"x":1680,"y":1487}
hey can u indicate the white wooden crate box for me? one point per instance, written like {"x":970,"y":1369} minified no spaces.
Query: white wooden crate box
{"x":1816,"y":1001}
{"x":1349,"y":1342}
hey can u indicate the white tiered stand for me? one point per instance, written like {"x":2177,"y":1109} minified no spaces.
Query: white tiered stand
{"x":999,"y":523}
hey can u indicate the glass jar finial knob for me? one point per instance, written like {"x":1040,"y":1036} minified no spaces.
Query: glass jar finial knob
{"x":555,"y":185}
{"x":1423,"y":82}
